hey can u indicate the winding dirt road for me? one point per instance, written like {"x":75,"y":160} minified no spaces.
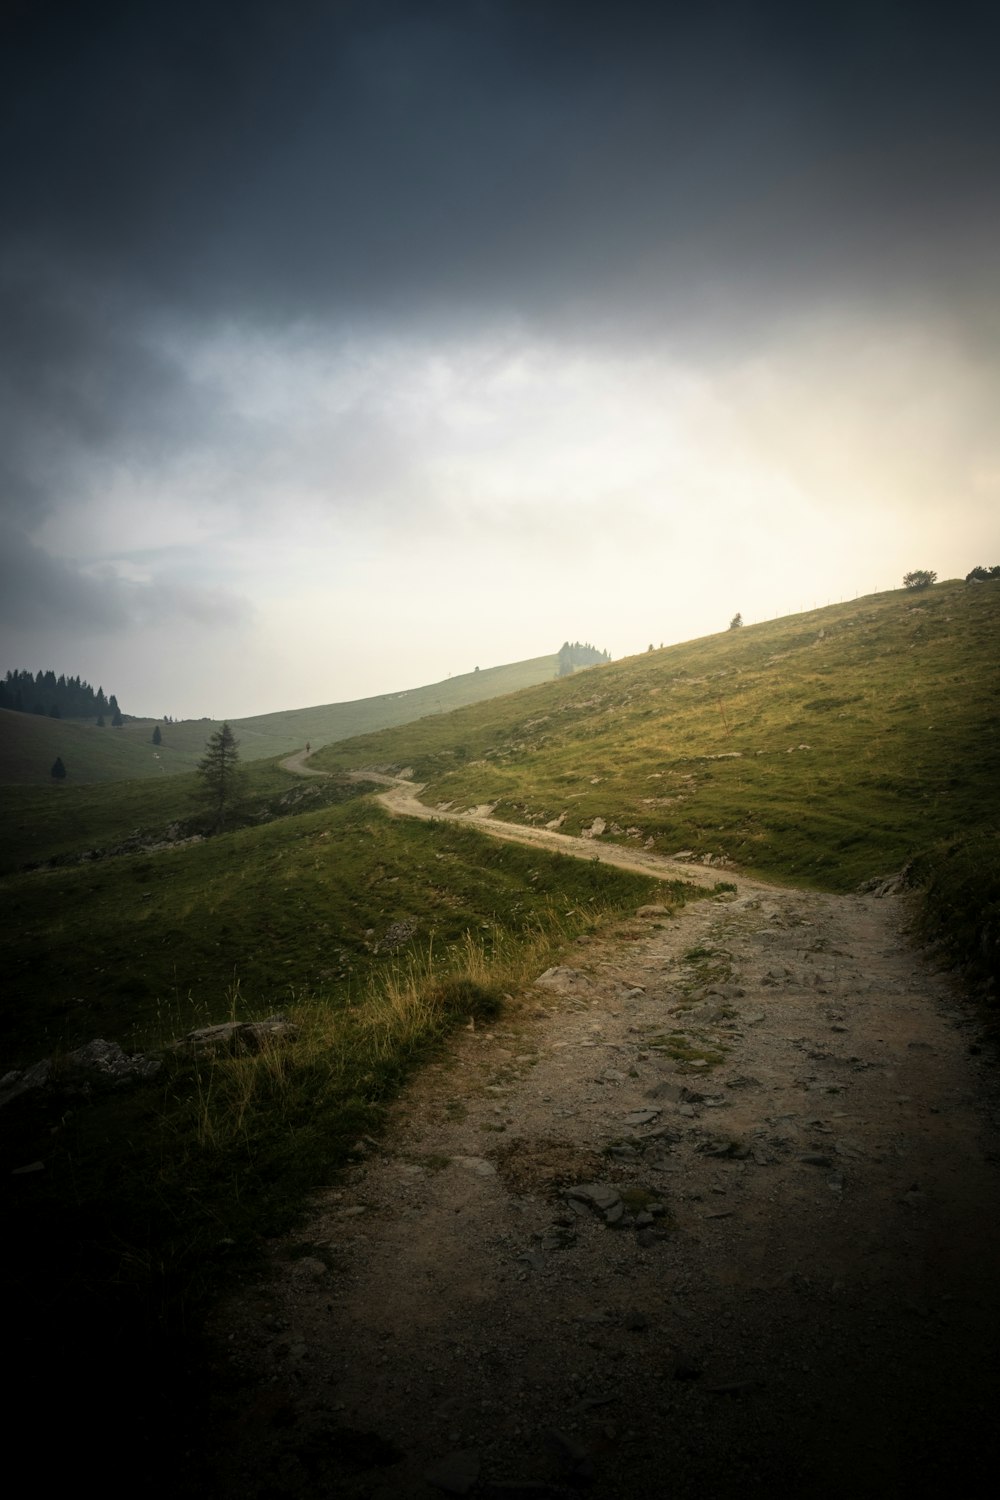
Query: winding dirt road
{"x":402,"y":799}
{"x":712,"y":1211}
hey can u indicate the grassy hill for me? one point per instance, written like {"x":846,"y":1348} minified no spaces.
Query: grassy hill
{"x":29,"y":743}
{"x":825,"y":748}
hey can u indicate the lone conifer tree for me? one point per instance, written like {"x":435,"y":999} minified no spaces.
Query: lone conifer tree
{"x":157,"y":736}
{"x":220,"y":772}
{"x":58,"y":772}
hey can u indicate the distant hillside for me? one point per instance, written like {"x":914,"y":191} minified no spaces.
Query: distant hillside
{"x":29,"y":743}
{"x":825,"y":747}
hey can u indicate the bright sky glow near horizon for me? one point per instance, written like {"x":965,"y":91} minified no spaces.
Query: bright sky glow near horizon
{"x":348,"y":346}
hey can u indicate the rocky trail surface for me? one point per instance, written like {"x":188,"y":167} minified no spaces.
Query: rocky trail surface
{"x":710,"y":1211}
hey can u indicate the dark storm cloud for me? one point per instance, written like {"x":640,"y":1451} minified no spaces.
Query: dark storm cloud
{"x":277,"y":161}
{"x":620,"y":172}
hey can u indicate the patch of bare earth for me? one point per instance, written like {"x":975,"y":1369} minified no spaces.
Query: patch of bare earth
{"x":712,"y":1211}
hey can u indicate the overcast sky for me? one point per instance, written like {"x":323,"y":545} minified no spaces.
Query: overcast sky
{"x":344,"y":346}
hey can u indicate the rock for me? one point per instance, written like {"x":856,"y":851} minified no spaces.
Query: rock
{"x":814,"y":1159}
{"x":395,"y":936}
{"x":595,"y":830}
{"x":107,"y":1061}
{"x":725,"y":1149}
{"x":600,"y":1195}
{"x":641,"y":1117}
{"x":563,"y":980}
{"x":477,"y":1164}
{"x":14,"y":1083}
{"x":456,"y":1473}
{"x":653,"y":911}
{"x":239,"y":1036}
{"x":671,"y":1092}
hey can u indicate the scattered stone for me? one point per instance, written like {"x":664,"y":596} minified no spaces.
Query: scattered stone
{"x":395,"y":936}
{"x":109,"y":1062}
{"x":240,"y":1036}
{"x":671,"y":1092}
{"x":477,"y":1164}
{"x":600,"y":1195}
{"x":456,"y":1473}
{"x":14,"y":1083}
{"x":33,"y":1166}
{"x":563,"y":980}
{"x":653,"y":911}
{"x":533,"y":1258}
{"x":623,"y":1152}
{"x":816,"y":1160}
{"x":725,"y":1149}
{"x":641,"y":1117}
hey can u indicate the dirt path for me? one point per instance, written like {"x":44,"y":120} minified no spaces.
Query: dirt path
{"x":712,"y":1211}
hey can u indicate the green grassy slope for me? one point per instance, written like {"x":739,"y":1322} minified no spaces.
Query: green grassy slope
{"x":826,"y":748}
{"x":29,"y":743}
{"x":142,"y":947}
{"x":64,"y":822}
{"x":374,"y":935}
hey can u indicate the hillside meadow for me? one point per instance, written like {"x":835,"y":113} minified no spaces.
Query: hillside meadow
{"x":824,"y":749}
{"x":29,"y":743}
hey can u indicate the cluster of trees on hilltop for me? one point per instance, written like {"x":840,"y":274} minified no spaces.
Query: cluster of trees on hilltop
{"x":59,"y":697}
{"x":579,"y":654}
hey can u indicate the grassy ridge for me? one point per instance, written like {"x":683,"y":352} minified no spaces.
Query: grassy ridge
{"x":134,"y":947}
{"x":825,"y":748}
{"x":29,"y":743}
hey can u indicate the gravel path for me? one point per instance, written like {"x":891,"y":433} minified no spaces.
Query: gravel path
{"x":711,"y":1211}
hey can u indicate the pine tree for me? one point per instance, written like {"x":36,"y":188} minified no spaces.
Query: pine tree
{"x":58,"y":772}
{"x":220,"y":772}
{"x":157,"y":736}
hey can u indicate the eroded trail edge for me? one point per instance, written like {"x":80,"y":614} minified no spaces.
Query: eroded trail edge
{"x":711,"y":1211}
